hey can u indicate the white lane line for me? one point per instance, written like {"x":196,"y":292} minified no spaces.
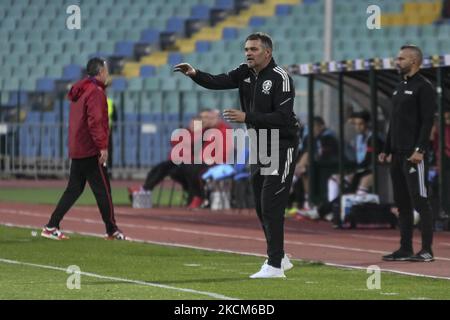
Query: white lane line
{"x":219,"y":223}
{"x":143,"y":283}
{"x":388,"y":270}
{"x":213,"y":234}
{"x":181,"y":245}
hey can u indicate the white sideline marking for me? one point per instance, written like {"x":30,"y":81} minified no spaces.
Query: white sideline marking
{"x":181,"y":245}
{"x":214,"y":234}
{"x":98,"y":276}
{"x":388,"y":270}
{"x":132,"y":212}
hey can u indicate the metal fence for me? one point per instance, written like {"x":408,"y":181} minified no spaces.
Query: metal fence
{"x":34,"y":130}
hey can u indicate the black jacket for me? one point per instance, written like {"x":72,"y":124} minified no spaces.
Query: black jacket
{"x":413,"y":108}
{"x":267,"y":98}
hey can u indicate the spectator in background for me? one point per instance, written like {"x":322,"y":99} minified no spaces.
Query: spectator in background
{"x":193,"y":172}
{"x":444,"y":167}
{"x":361,"y":180}
{"x":168,"y":168}
{"x":325,"y":148}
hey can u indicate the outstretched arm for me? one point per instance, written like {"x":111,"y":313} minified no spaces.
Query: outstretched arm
{"x":222,"y":81}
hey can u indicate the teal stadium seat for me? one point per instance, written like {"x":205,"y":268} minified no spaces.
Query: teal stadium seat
{"x":151,"y":84}
{"x":135,"y":84}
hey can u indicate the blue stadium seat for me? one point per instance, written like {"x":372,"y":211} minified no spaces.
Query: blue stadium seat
{"x":225,"y":4}
{"x":124,"y":49}
{"x":176,"y":25}
{"x":17,"y":96}
{"x":150,"y":36}
{"x":174,"y":58}
{"x":131,"y":133}
{"x":202,"y":46}
{"x":45,"y":85}
{"x":200,"y":11}
{"x":256,"y":21}
{"x":49,"y":142}
{"x":283,"y":9}
{"x":119,"y":84}
{"x":72,"y":72}
{"x":229,"y":33}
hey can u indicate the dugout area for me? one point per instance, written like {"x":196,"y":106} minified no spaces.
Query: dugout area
{"x":370,"y":84}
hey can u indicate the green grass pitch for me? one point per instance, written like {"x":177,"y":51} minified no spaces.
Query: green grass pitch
{"x":32,"y":267}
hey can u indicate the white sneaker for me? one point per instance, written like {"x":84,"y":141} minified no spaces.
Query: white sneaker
{"x":311,"y":214}
{"x":267,"y":271}
{"x":53,"y":233}
{"x":118,"y":235}
{"x":286,"y":264}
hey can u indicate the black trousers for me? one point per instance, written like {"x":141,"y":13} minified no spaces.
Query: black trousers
{"x":193,"y":174}
{"x":271,"y":194}
{"x":297,"y":194}
{"x":162,"y":170}
{"x":82,"y":170}
{"x":411,"y":192}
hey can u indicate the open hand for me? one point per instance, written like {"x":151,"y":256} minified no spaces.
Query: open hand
{"x":185,"y":68}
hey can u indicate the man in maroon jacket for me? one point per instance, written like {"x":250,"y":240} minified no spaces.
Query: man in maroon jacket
{"x":88,"y":149}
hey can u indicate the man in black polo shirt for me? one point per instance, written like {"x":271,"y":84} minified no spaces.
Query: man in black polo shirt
{"x":413,"y":108}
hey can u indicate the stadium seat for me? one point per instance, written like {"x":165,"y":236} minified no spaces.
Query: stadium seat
{"x":45,"y":85}
{"x":151,"y":84}
{"x":147,"y":71}
{"x":119,"y":84}
{"x":200,"y":11}
{"x":283,"y":9}
{"x":150,"y":36}
{"x":175,"y":58}
{"x":125,"y":49}
{"x":169,"y":84}
{"x":135,"y":84}
{"x":202,"y":46}
{"x":257,"y":21}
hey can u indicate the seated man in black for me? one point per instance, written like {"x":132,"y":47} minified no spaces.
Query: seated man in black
{"x":325,"y":150}
{"x":361,"y":179}
{"x":167,"y":168}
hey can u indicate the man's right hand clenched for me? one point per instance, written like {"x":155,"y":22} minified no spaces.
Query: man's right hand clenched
{"x":103,"y":158}
{"x":185,"y":68}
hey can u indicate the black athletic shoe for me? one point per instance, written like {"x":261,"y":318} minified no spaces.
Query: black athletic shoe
{"x":399,"y":255}
{"x":423,"y":256}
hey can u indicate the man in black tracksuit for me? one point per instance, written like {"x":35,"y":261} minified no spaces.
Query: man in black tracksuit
{"x":267,"y":97}
{"x":413,"y":108}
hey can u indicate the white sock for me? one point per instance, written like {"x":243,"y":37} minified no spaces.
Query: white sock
{"x":306,"y":203}
{"x":333,"y":189}
{"x":361,"y":191}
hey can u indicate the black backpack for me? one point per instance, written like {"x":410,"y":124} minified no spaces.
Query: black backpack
{"x":378,"y":215}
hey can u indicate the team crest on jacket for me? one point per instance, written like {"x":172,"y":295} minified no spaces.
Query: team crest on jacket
{"x":266,"y":86}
